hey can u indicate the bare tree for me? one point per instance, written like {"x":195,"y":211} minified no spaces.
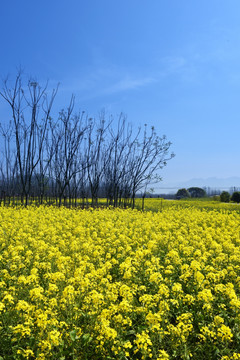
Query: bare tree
{"x":73,"y":156}
{"x":120,"y":148}
{"x":8,"y":166}
{"x":147,"y":158}
{"x":41,"y":172}
{"x":67,"y":135}
{"x":98,"y":154}
{"x":27,"y":105}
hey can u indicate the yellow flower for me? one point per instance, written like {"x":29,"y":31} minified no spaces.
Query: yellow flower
{"x":36,"y":293}
{"x":162,"y":355}
{"x":224,"y":333}
{"x":54,"y":337}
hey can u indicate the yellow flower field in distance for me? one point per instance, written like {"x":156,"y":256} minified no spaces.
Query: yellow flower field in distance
{"x":120,"y":284}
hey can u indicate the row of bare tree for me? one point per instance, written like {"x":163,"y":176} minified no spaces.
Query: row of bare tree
{"x":73,"y":156}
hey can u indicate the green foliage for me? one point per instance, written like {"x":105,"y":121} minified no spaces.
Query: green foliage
{"x":236,"y":197}
{"x":182,"y":193}
{"x":196,"y":192}
{"x":225,"y":196}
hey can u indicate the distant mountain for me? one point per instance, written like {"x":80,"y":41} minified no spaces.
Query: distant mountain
{"x":212,"y":182}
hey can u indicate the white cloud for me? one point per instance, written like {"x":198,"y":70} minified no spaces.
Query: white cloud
{"x":129,"y":83}
{"x":111,"y":79}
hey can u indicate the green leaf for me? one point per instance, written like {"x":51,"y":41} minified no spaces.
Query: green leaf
{"x":87,"y":338}
{"x":73,"y":335}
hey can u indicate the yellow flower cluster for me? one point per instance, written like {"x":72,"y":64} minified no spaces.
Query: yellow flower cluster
{"x":119,"y":284}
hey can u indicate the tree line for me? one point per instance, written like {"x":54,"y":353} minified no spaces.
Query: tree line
{"x":73,"y":156}
{"x":226,"y":197}
{"x":196,"y":192}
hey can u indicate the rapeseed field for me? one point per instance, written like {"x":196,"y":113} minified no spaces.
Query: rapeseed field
{"x":119,"y":284}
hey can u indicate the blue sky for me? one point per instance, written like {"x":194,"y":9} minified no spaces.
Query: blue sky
{"x":173,"y":64}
